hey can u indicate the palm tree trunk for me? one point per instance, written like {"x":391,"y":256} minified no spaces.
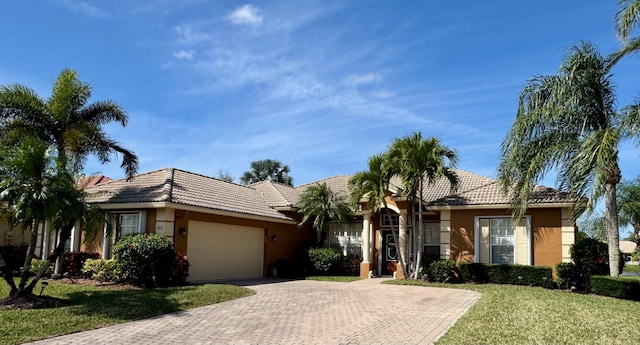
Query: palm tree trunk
{"x":611,"y":224}
{"x":403,"y":266}
{"x":420,"y":243}
{"x":24,"y":275}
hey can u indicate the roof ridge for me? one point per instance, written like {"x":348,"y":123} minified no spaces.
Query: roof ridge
{"x":207,"y":176}
{"x":167,"y":190}
{"x":324,"y":179}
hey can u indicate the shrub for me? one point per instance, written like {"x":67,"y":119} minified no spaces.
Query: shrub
{"x":73,"y":262}
{"x":507,"y":274}
{"x":101,"y":270}
{"x":14,"y":257}
{"x":325,"y":260}
{"x":351,"y":264}
{"x":625,"y":288}
{"x":590,"y":256}
{"x":145,"y":259}
{"x":569,"y":276}
{"x":37,"y":265}
{"x":443,"y":271}
{"x":180,"y":270}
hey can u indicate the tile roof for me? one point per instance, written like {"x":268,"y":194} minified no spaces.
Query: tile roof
{"x":474,"y":189}
{"x":276,"y":194}
{"x":185,"y":188}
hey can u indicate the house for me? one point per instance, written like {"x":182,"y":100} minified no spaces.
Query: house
{"x":233,"y":231}
{"x":628,"y":248}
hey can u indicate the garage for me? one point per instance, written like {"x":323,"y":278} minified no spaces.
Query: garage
{"x":222,"y":251}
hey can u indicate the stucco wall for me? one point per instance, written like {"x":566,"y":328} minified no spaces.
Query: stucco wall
{"x":545,"y":224}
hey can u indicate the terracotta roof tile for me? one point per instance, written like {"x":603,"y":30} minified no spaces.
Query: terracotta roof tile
{"x":276,"y":194}
{"x":186,"y":188}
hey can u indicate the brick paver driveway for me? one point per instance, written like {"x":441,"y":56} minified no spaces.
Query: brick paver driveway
{"x":300,"y":312}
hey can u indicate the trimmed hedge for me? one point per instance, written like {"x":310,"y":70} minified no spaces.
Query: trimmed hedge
{"x":443,"y":271}
{"x":325,"y":260}
{"x":568,"y":276}
{"x":507,"y":274}
{"x":101,"y":270}
{"x":625,"y":288}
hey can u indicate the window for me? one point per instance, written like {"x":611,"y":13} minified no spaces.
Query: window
{"x":502,"y":241}
{"x":130,"y":223}
{"x":431,"y":238}
{"x":497,"y":239}
{"x":346,"y":237}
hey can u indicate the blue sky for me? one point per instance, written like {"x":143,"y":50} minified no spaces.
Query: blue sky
{"x":319,"y":85}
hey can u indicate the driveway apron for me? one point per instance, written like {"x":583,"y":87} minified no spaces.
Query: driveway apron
{"x":300,"y":312}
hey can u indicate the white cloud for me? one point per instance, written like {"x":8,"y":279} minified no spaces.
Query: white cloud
{"x":382,"y":94}
{"x":189,"y":35}
{"x":364,"y":79}
{"x":246,"y":15}
{"x":184,"y":55}
{"x":83,"y":7}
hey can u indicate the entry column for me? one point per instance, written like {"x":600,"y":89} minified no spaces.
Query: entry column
{"x":365,"y":265}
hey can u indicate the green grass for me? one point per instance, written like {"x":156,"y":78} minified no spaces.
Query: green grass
{"x":91,"y":307}
{"x":630,"y":268}
{"x":508,"y":314}
{"x":344,"y":279}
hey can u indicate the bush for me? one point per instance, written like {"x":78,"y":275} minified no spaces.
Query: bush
{"x":443,"y":271}
{"x":569,"y":276}
{"x":351,"y":265}
{"x":180,"y":270}
{"x":507,"y":274}
{"x":591,"y":257}
{"x":37,"y":265}
{"x":73,"y":262}
{"x":14,"y":257}
{"x":101,"y":270}
{"x":145,"y":259}
{"x":325,"y":260}
{"x":625,"y":288}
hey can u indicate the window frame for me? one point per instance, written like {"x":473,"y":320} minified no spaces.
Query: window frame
{"x":140,"y":223}
{"x":528,"y":234}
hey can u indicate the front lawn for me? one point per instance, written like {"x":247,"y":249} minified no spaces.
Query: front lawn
{"x":507,"y":314}
{"x":93,"y":307}
{"x":630,"y":268}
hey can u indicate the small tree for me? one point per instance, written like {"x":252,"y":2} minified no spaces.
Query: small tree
{"x":324,"y":206}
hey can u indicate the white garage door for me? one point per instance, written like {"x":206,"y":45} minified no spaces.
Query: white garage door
{"x":221,"y":251}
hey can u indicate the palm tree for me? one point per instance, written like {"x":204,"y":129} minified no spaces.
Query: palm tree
{"x":324,"y":206}
{"x":627,"y":18}
{"x":568,"y":122}
{"x":267,"y":170}
{"x":71,"y":129}
{"x":373,"y":185}
{"x":629,"y":204}
{"x":66,"y":121}
{"x":419,"y":161}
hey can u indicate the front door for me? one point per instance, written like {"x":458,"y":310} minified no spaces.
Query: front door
{"x":389,"y":253}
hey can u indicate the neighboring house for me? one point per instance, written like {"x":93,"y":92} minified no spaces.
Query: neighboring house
{"x":233,"y":231}
{"x":628,"y":248}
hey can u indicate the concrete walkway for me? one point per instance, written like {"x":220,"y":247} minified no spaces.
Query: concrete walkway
{"x":300,"y":312}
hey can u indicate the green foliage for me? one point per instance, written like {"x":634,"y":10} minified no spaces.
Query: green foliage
{"x":590,"y":256}
{"x":443,"y":271}
{"x":267,"y":169}
{"x":624,"y":288}
{"x":101,"y":270}
{"x":325,"y":260}
{"x":324,"y":206}
{"x":351,"y":265}
{"x":145,"y":259}
{"x":180,"y":270}
{"x":568,"y":276}
{"x":37,"y":265}
{"x":507,"y":274}
{"x":74,"y":261}
{"x":14,"y":257}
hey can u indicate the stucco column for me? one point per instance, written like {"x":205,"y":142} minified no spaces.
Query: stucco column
{"x":365,"y":265}
{"x":568,"y":233}
{"x":165,"y":222}
{"x":75,"y":238}
{"x":445,"y":234}
{"x":402,"y":237}
{"x":46,"y":237}
{"x":106,"y":238}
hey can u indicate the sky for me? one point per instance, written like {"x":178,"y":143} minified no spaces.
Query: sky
{"x":210,"y":86}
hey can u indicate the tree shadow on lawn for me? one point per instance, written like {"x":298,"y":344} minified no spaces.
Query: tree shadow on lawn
{"x":125,"y":305}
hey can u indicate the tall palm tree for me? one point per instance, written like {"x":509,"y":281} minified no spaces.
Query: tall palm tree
{"x":419,"y":161}
{"x":71,"y":129}
{"x":267,"y":170}
{"x":629,"y":204}
{"x":373,"y":185}
{"x":324,"y":206}
{"x":627,"y":18}
{"x":568,"y":122}
{"x":66,"y":121}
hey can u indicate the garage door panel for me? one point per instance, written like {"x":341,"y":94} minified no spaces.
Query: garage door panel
{"x":222,"y":251}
